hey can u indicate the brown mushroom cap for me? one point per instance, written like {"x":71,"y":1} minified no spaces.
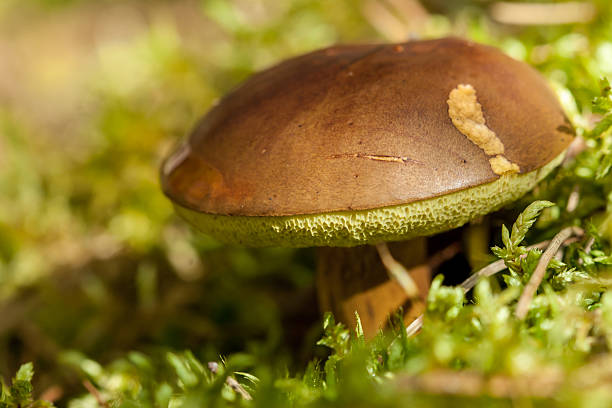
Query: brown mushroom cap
{"x":354,"y":129}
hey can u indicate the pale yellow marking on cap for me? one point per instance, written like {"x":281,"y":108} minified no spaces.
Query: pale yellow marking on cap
{"x":466,"y":114}
{"x":501,"y":165}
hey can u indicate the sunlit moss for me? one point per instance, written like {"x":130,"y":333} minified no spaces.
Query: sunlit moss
{"x":91,"y":257}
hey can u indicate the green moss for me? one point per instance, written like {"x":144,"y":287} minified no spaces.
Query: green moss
{"x":350,"y":228}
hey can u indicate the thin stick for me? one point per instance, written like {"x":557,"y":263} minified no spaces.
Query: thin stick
{"x":589,"y":245}
{"x":96,"y":394}
{"x":536,"y":278}
{"x":573,"y":199}
{"x":443,"y":255}
{"x":52,"y":394}
{"x":231,"y":381}
{"x":397,"y":271}
{"x":470,"y":383}
{"x":415,"y":326}
{"x":543,"y":13}
{"x":493,"y":268}
{"x":235,"y":385}
{"x":587,"y":249}
{"x":487,"y":271}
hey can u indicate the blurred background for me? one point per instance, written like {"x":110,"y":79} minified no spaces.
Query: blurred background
{"x":93,"y":94}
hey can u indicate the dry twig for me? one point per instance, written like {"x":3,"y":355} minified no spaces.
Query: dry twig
{"x":231,"y":381}
{"x":568,"y":12}
{"x":95,"y":393}
{"x":470,"y":383}
{"x":443,"y":255}
{"x":52,"y":394}
{"x":538,"y":274}
{"x":235,"y":385}
{"x":397,"y":271}
{"x":414,"y":327}
{"x":587,"y":249}
{"x":491,"y":270}
{"x":573,"y":199}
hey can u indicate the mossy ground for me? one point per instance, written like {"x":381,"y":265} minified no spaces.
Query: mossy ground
{"x":103,"y":288}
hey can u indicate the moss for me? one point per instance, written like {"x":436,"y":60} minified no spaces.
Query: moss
{"x":350,"y":228}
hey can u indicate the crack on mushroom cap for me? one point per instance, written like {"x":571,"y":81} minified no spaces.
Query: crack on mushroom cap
{"x":393,"y":223}
{"x":377,"y":157}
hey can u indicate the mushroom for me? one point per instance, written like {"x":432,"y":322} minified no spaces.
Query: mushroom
{"x":357,"y":145}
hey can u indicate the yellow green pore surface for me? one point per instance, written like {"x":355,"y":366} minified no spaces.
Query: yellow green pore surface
{"x":350,"y":228}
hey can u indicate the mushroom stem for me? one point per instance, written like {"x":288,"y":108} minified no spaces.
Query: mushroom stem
{"x":355,"y":279}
